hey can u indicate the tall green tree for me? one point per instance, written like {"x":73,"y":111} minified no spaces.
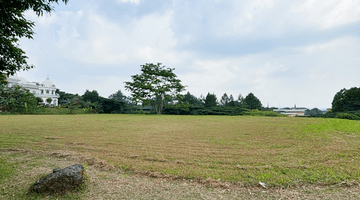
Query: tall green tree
{"x":13,"y":27}
{"x":92,"y":96}
{"x":118,"y":96}
{"x":346,"y":100}
{"x":191,"y":99}
{"x":232,"y":102}
{"x":154,"y":85}
{"x":224,"y":101}
{"x":241,"y":101}
{"x":252,"y":102}
{"x":210,"y":100}
{"x":65,"y":98}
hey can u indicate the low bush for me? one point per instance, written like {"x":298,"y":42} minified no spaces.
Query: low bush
{"x":257,"y":112}
{"x":347,"y":116}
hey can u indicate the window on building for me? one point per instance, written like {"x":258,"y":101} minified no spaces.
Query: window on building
{"x":47,"y":91}
{"x":52,"y":92}
{"x":42,"y":91}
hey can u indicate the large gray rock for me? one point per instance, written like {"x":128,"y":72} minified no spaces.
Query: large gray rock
{"x":60,"y":180}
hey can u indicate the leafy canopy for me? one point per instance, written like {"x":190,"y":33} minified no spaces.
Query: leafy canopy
{"x":14,"y":26}
{"x":154,"y":85}
{"x":17,"y":100}
{"x":210,"y":100}
{"x":252,"y":102}
{"x":346,"y":100}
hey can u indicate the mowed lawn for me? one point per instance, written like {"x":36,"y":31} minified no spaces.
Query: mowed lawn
{"x":246,"y":149}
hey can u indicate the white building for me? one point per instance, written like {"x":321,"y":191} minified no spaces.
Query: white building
{"x":292,"y":111}
{"x":44,"y":90}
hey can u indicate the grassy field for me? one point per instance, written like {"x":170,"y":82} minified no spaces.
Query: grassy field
{"x":246,"y":149}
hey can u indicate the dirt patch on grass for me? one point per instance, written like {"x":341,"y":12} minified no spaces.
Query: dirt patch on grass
{"x":108,"y":182}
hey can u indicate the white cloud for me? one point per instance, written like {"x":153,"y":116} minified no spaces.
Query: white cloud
{"x":84,"y":49}
{"x":88,"y":38}
{"x":104,"y":85}
{"x":131,"y":1}
{"x":260,"y":19}
{"x":306,"y":76}
{"x":330,"y":13}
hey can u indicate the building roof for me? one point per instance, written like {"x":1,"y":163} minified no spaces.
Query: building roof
{"x":48,"y":83}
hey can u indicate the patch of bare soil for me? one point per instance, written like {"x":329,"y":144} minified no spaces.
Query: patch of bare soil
{"x":106,"y":181}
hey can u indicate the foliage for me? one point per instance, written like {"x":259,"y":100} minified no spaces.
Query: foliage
{"x":191,"y":99}
{"x":210,"y":100}
{"x":347,"y":116}
{"x":240,"y":99}
{"x":154,"y":85}
{"x":256,"y":112}
{"x":252,"y":102}
{"x":112,"y":106}
{"x":178,"y":109}
{"x":232,"y":102}
{"x":15,"y":26}
{"x":92,"y":96}
{"x":17,"y":100}
{"x":49,"y":100}
{"x":65,"y":98}
{"x":224,"y":101}
{"x":119,"y":96}
{"x":346,"y":100}
{"x":187,"y":109}
{"x":313,"y":112}
{"x":39,"y":100}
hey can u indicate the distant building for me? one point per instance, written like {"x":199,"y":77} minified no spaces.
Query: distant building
{"x":44,"y":90}
{"x":291,"y":111}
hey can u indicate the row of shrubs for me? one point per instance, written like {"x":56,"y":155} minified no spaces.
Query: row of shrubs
{"x":351,"y":115}
{"x":226,"y":110}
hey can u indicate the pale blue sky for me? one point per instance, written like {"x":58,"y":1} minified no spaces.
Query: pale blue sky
{"x":285,"y":52}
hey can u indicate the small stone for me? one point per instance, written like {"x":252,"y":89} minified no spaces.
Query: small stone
{"x":56,"y":170}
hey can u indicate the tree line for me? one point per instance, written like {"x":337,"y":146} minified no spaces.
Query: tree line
{"x":157,"y":90}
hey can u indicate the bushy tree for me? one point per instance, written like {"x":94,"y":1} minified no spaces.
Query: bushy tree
{"x":65,"y":98}
{"x":154,"y":85}
{"x":210,"y":100}
{"x":224,"y":101}
{"x":49,"y":100}
{"x":17,"y":100}
{"x":346,"y":100}
{"x":252,"y":102}
{"x":232,"y":102}
{"x":191,"y":99}
{"x":92,"y":96}
{"x":13,"y":27}
{"x":39,"y":100}
{"x":118,"y":96}
{"x":241,"y":101}
{"x":313,"y":112}
{"x":112,"y":106}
